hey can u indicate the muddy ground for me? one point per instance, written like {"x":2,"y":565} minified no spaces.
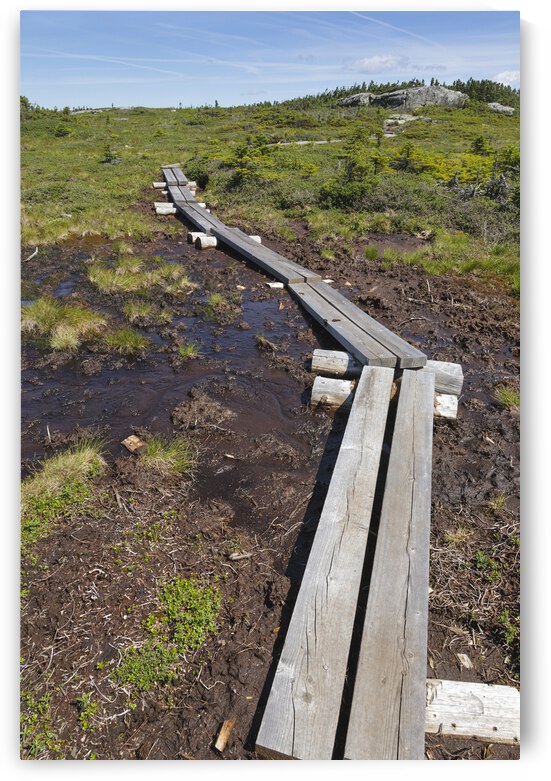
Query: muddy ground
{"x":265,"y":460}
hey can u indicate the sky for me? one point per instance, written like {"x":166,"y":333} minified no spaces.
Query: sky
{"x":149,"y":58}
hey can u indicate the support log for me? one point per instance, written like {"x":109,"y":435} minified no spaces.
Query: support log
{"x":193,"y":236}
{"x":337,"y":363}
{"x":448,"y":377}
{"x":205,"y":242}
{"x":165,"y":210}
{"x":332,"y":394}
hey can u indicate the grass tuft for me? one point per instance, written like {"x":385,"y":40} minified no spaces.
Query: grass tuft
{"x":176,"y":456}
{"x":60,"y":485}
{"x":65,"y":326}
{"x":507,"y":397}
{"x":126,"y":341}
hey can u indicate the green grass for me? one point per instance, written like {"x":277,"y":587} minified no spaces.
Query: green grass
{"x":170,"y":457}
{"x":68,"y":192}
{"x":126,"y":341}
{"x":188,"y":350}
{"x":61,"y":485}
{"x":64,"y":326}
{"x":460,"y":253}
{"x":133,"y":275}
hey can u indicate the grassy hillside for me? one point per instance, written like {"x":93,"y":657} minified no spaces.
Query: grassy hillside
{"x":451,"y":175}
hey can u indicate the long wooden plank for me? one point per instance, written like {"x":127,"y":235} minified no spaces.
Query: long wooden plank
{"x":275,"y":264}
{"x":270,"y":255}
{"x":302,"y":711}
{"x":481,"y":711}
{"x":408,"y":356}
{"x":387,"y":718}
{"x":195,"y":215}
{"x":366,"y":349}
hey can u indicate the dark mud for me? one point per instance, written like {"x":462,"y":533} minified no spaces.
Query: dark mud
{"x":265,"y":460}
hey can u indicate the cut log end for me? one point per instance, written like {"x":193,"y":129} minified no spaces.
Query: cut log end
{"x":332,"y":394}
{"x":205,"y":242}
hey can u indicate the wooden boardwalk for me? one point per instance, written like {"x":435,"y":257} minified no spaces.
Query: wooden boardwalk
{"x":369,"y":341}
{"x":377,"y":510}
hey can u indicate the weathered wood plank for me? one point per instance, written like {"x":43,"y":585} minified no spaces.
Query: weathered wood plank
{"x":170,"y":178}
{"x":408,"y":356}
{"x":387,"y":716}
{"x":473,"y":710}
{"x":302,"y":711}
{"x":180,"y":178}
{"x":269,"y":256}
{"x":269,"y":261}
{"x":366,"y":349}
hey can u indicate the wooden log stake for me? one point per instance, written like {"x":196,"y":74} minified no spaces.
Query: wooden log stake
{"x":224,"y":735}
{"x":332,"y":394}
{"x":205,"y":242}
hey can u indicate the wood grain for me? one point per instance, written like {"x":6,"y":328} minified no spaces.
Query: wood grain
{"x":302,"y":711}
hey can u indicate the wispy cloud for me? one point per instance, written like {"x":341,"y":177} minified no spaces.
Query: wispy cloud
{"x":378,"y":63}
{"x":397,"y":29}
{"x":509,"y":78}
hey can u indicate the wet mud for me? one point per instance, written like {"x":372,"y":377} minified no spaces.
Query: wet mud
{"x":265,"y":461}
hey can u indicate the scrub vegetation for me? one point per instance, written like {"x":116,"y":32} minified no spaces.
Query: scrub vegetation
{"x":449,"y":173}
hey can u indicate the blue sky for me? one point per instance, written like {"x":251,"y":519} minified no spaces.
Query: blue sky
{"x":194,"y":58}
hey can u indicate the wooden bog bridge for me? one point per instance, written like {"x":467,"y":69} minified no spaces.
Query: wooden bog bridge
{"x":351,"y":680}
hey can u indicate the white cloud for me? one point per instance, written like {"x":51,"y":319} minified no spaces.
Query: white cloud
{"x":378,"y":63}
{"x":509,"y":78}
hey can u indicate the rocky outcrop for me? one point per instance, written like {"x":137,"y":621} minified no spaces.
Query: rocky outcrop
{"x":360,"y":99}
{"x":409,"y":99}
{"x":501,"y":109}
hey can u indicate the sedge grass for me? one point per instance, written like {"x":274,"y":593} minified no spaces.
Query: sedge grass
{"x":170,"y":457}
{"x":65,"y":326}
{"x":127,"y":341}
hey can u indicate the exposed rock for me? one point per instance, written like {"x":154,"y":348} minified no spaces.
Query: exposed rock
{"x":357,"y":100}
{"x":410,"y":99}
{"x":501,"y":109}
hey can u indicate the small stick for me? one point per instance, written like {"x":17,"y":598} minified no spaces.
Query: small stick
{"x":224,"y":734}
{"x":35,"y":253}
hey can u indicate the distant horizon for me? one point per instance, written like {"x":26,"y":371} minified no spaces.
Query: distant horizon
{"x":236,"y":58}
{"x":76,"y":109}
